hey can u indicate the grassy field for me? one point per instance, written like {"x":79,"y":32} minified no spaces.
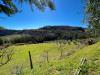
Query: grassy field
{"x":65,"y":65}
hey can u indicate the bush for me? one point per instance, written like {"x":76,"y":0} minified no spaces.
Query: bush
{"x":1,"y":42}
{"x":90,"y":41}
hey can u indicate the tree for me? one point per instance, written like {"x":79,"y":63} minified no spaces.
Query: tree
{"x":93,"y":15}
{"x":9,"y":7}
{"x":1,"y":41}
{"x":1,"y":28}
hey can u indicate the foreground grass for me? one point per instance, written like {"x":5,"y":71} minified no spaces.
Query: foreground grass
{"x":56,"y":66}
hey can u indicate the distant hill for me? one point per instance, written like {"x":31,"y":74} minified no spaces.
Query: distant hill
{"x":5,"y":32}
{"x":46,"y":33}
{"x":63,"y":28}
{"x":44,"y":30}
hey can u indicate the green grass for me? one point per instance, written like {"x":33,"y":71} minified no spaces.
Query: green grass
{"x":65,"y":66}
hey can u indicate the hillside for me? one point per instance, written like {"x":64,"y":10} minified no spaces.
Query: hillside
{"x":63,"y":28}
{"x":44,"y":30}
{"x":67,"y":65}
{"x":48,"y":33}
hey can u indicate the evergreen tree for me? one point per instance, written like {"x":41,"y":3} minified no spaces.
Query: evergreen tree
{"x":93,"y":15}
{"x":9,"y":7}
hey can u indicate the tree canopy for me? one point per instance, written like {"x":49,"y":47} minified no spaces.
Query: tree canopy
{"x":1,"y":28}
{"x":9,"y":7}
{"x":93,"y":15}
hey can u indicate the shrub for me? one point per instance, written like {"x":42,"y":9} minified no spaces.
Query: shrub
{"x":1,"y":41}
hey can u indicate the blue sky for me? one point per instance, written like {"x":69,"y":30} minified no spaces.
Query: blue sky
{"x":68,"y":12}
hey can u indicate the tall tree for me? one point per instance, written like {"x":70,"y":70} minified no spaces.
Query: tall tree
{"x":9,"y":7}
{"x":93,"y":15}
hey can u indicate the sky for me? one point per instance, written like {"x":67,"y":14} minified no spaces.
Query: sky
{"x":67,"y":13}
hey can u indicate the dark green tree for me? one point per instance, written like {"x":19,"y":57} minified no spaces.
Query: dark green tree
{"x":1,"y":41}
{"x":9,"y":7}
{"x":93,"y":15}
{"x":1,"y":28}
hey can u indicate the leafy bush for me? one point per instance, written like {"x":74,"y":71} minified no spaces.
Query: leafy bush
{"x":1,"y":41}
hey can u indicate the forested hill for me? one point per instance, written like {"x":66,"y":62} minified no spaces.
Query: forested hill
{"x":43,"y":34}
{"x":45,"y":29}
{"x":48,"y":33}
{"x":63,"y":28}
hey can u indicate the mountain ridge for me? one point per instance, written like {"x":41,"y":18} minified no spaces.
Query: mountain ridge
{"x":42,"y":29}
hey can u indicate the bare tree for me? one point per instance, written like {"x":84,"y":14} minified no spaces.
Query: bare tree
{"x":5,"y":53}
{"x":60,"y":45}
{"x":46,"y":56}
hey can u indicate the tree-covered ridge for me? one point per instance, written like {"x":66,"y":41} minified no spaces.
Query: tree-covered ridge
{"x":62,"y":28}
{"x":48,"y":33}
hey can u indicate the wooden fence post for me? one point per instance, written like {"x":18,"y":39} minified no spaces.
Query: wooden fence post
{"x":78,"y":70}
{"x":31,"y":65}
{"x":47,"y":57}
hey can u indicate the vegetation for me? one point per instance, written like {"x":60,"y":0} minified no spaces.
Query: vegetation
{"x":5,"y":56}
{"x":2,"y":28}
{"x":1,"y":42}
{"x":68,"y":64}
{"x":68,"y":53}
{"x":9,"y":7}
{"x":48,"y":33}
{"x":93,"y":16}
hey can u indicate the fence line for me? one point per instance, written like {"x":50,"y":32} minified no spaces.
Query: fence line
{"x":78,"y":70}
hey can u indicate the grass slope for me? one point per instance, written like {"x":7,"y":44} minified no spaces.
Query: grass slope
{"x":66,"y":66}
